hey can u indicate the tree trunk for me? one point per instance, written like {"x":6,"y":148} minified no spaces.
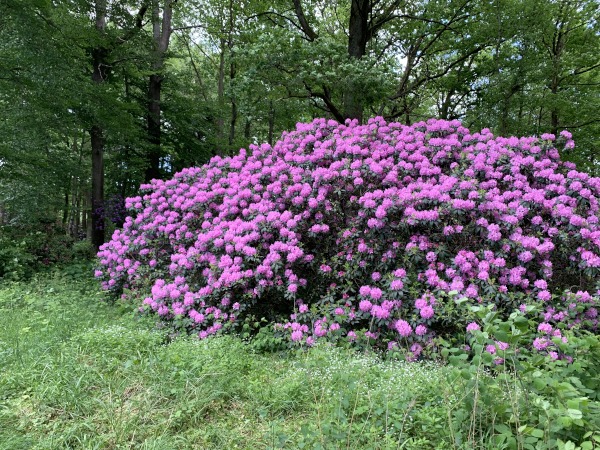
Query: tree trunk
{"x":84,"y":215}
{"x":234,"y":110}
{"x":71,"y":230}
{"x":558,"y":45}
{"x":247,"y":130}
{"x":99,"y":73}
{"x":78,"y":216}
{"x":271,"y":122}
{"x":554,"y":88}
{"x":65,"y":216}
{"x":221,"y":97}
{"x":153,"y":124}
{"x":234,"y":114}
{"x":97,"y":203}
{"x":161,"y":33}
{"x":357,"y":45}
{"x":232,"y":73}
{"x":445,"y":109}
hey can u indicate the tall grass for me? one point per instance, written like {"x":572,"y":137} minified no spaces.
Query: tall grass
{"x":77,"y":373}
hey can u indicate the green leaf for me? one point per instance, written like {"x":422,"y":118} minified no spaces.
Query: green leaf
{"x":502,"y":428}
{"x":539,"y":384}
{"x":537,"y":433}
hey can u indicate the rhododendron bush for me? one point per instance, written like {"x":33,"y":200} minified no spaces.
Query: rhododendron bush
{"x":367,"y":232}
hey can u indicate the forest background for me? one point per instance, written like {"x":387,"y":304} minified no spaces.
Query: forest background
{"x":99,"y":96}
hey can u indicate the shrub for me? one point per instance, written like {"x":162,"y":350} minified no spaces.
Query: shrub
{"x":27,"y":250}
{"x":15,"y":262}
{"x":532,"y":400}
{"x":83,"y":250}
{"x":379,"y":233}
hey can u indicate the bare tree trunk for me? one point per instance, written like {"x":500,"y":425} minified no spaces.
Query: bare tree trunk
{"x":71,"y":229}
{"x":65,"y":217}
{"x":97,"y":135}
{"x":161,"y":33}
{"x":232,"y":73}
{"x":221,"y":96}
{"x":234,"y":114}
{"x":554,"y":88}
{"x":271,"y":122}
{"x":234,"y":109}
{"x":247,"y":130}
{"x":445,"y":109}
{"x":78,"y":216}
{"x":85,"y":212}
{"x":357,"y":45}
{"x":97,"y":203}
{"x":153,"y":124}
{"x":558,"y":45}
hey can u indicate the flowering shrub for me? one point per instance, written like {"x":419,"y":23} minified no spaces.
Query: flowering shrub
{"x":367,"y":233}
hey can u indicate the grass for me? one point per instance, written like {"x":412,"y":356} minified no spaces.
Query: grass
{"x":77,"y":373}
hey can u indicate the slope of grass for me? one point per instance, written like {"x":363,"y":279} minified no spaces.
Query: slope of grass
{"x":78,"y":373}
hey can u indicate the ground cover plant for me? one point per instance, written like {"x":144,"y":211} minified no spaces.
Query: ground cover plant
{"x":38,"y":247}
{"x":379,"y":234}
{"x":79,"y":373}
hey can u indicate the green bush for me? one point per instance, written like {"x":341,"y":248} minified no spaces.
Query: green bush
{"x":24,"y":252}
{"x":520,"y":398}
{"x":84,"y":250}
{"x":16,"y":263}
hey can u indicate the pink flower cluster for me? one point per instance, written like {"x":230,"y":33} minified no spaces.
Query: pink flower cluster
{"x":368,"y":223}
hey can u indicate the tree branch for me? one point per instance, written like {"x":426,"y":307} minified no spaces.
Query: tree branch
{"x":579,"y":125}
{"x":305,"y":26}
{"x":327,"y":99}
{"x":139,"y":23}
{"x":276,"y":14}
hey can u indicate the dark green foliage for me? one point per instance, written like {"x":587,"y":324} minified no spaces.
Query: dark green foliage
{"x":70,"y":363}
{"x":236,"y":73}
{"x":24,"y":252}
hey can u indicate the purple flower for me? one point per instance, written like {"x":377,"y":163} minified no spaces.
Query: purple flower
{"x":544,"y":295}
{"x":421,"y":330}
{"x":485,"y":214}
{"x":365,"y":291}
{"x":403,"y":328}
{"x":545,"y":328}
{"x":365,"y":305}
{"x":376,"y":293}
{"x":396,"y":285}
{"x":473,"y":327}
{"x":427,"y":312}
{"x":541,"y":343}
{"x":296,"y":335}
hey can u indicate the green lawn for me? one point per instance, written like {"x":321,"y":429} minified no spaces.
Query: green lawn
{"x":76,"y":372}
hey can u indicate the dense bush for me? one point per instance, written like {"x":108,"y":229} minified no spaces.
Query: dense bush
{"x":27,"y":250}
{"x":16,"y":262}
{"x":379,"y":233}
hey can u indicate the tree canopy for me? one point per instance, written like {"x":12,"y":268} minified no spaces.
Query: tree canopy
{"x":102,"y":95}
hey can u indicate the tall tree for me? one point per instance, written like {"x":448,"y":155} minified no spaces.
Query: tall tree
{"x":99,"y":74}
{"x":161,"y":36}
